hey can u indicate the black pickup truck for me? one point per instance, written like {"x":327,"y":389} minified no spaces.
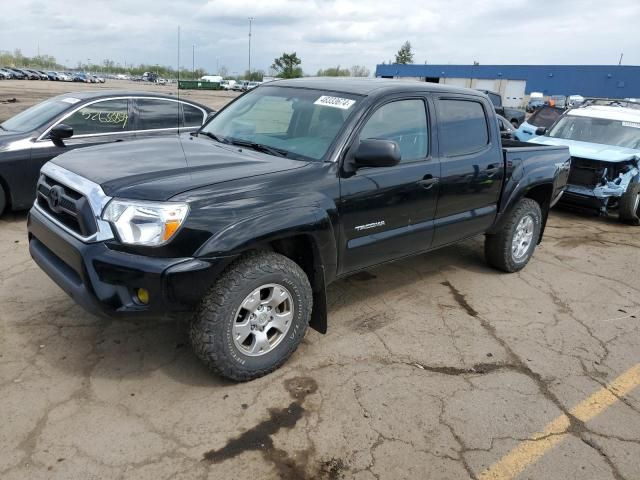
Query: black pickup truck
{"x":514,"y":115}
{"x":291,"y":186}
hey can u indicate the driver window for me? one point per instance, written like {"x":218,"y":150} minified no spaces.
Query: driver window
{"x":101,"y":117}
{"x":404,"y":122}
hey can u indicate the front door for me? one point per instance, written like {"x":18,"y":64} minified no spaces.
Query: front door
{"x":97,"y":123}
{"x":387,"y":213}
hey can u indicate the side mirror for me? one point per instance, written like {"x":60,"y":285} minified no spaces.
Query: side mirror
{"x":59,"y":133}
{"x":374,"y":152}
{"x":541,"y":131}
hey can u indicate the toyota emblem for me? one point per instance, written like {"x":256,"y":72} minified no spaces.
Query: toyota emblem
{"x":55,"y":196}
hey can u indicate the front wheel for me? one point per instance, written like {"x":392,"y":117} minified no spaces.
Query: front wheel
{"x":630,"y":204}
{"x":253,"y":318}
{"x":511,"y":248}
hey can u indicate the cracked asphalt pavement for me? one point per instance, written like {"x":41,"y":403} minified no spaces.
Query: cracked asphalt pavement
{"x":433,"y":367}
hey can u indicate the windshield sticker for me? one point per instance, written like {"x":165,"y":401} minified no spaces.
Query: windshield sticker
{"x":631,"y":124}
{"x":71,"y":100}
{"x":335,"y":102}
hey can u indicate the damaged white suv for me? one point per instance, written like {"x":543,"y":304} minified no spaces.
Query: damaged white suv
{"x":603,"y":136}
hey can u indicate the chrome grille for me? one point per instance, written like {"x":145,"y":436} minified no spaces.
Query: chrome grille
{"x":66,"y":205}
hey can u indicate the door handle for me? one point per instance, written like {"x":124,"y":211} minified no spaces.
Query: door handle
{"x":428,"y":182}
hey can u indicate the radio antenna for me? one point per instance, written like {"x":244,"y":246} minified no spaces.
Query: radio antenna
{"x":178,"y":118}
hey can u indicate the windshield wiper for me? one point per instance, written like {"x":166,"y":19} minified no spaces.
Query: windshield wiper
{"x":261,"y":147}
{"x":215,"y":137}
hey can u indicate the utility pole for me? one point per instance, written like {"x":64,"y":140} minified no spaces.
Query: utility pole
{"x":193,"y":60}
{"x":251,"y":19}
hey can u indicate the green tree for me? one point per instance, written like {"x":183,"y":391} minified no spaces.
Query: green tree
{"x":334,"y":72}
{"x":404,"y":55}
{"x":255,"y":76}
{"x":287,"y":66}
{"x":359,"y":71}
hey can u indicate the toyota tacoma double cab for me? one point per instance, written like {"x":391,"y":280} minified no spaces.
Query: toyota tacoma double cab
{"x":291,"y":186}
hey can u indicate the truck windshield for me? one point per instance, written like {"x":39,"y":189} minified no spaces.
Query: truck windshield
{"x":297,"y":122}
{"x":36,"y":116}
{"x":598,"y":130}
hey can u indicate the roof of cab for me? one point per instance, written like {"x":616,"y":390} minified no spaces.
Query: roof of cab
{"x":368,"y":86}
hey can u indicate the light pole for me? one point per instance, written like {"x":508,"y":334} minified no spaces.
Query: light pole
{"x":251,"y":19}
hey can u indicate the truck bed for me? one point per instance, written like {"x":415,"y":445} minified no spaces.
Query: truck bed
{"x":520,"y":157}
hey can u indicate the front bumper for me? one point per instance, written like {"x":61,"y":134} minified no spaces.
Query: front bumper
{"x":104,"y":281}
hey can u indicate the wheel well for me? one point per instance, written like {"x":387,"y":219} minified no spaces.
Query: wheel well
{"x":302,"y":249}
{"x":542,"y":195}
{"x":7,"y":194}
{"x":297,"y":248}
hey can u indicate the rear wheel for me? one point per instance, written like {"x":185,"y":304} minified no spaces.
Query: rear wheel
{"x":630,"y":204}
{"x":511,"y":248}
{"x":253,"y":318}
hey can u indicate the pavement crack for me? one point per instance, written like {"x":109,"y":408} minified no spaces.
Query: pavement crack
{"x":614,"y":470}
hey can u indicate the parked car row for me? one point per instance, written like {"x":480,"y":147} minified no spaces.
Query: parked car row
{"x":243,"y":86}
{"x":11,"y":73}
{"x":536,"y":101}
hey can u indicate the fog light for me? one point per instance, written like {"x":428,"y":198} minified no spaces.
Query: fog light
{"x":143,"y":295}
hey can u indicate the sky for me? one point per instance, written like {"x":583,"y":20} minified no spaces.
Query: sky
{"x":324,"y":33}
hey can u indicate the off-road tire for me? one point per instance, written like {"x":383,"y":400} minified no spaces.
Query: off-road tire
{"x":211,"y":328}
{"x":498,"y":247}
{"x":629,"y":210}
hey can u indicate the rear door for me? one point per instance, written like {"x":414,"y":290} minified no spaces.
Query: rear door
{"x":156,"y":117}
{"x":387,"y":213}
{"x":471,"y":167}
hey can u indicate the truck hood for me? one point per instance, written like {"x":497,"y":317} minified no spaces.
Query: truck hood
{"x":158,"y":169}
{"x":592,"y":151}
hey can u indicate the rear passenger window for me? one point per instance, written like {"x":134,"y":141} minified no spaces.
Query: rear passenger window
{"x":154,"y":114}
{"x":404,"y":122}
{"x":192,"y":115}
{"x":462,"y":127}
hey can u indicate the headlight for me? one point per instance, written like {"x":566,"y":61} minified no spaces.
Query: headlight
{"x":145,"y":223}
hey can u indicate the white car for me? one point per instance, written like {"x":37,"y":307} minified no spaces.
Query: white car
{"x":227,"y":84}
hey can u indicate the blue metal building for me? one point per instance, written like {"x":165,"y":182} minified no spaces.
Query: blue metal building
{"x":612,"y":81}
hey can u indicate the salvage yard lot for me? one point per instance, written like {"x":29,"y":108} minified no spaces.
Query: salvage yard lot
{"x":433,"y":367}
